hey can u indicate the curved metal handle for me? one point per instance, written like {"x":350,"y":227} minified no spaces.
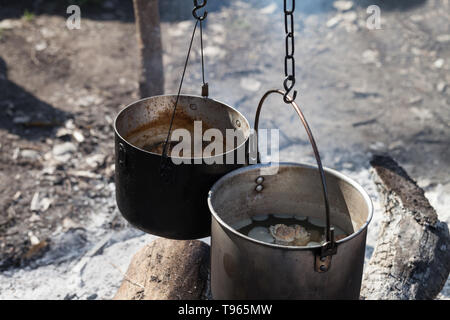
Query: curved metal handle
{"x":329,"y":247}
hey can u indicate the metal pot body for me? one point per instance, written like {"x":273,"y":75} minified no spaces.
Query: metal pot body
{"x":176,"y":209}
{"x":244,"y":268}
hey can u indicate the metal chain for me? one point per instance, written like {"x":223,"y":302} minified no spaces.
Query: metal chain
{"x":289,"y":73}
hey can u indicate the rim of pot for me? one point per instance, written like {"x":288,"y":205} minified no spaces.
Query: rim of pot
{"x":181,"y":95}
{"x":333,"y":172}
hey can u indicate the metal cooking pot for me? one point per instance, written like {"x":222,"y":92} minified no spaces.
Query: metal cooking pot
{"x":176,"y":209}
{"x":245,"y":268}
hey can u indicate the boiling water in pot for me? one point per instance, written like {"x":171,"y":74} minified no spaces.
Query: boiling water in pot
{"x":287,"y":230}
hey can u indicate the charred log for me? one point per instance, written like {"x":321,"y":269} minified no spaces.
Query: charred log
{"x":412,"y":256}
{"x":167,"y":270}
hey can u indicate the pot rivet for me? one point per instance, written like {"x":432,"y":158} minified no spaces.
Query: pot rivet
{"x":259,"y":180}
{"x":259,"y":188}
{"x":193,"y":106}
{"x":323,"y":259}
{"x":323,"y":268}
{"x":238,"y":123}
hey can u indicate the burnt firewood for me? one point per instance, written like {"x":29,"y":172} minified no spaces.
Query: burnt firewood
{"x":168,"y":270}
{"x":412,"y":257}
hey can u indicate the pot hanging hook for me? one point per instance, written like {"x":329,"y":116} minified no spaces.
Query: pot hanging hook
{"x":198,"y":7}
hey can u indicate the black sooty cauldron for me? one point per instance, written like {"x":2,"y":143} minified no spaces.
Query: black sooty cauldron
{"x":176,"y":209}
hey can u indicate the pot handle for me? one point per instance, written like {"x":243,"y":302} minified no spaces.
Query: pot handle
{"x":329,"y":248}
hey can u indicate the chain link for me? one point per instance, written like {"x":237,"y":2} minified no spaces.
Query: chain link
{"x":289,"y":60}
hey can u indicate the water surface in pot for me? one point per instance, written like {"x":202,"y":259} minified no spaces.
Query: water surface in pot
{"x":289,"y":230}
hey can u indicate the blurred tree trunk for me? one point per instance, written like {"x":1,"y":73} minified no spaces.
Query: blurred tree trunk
{"x":151,"y":80}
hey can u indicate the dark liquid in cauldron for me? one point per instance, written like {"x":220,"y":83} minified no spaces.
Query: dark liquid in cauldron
{"x":159,"y":148}
{"x":152,"y":136}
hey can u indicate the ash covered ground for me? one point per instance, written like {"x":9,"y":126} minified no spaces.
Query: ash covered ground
{"x":363,"y":92}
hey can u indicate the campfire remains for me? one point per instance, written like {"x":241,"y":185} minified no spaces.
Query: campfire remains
{"x":411,"y":259}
